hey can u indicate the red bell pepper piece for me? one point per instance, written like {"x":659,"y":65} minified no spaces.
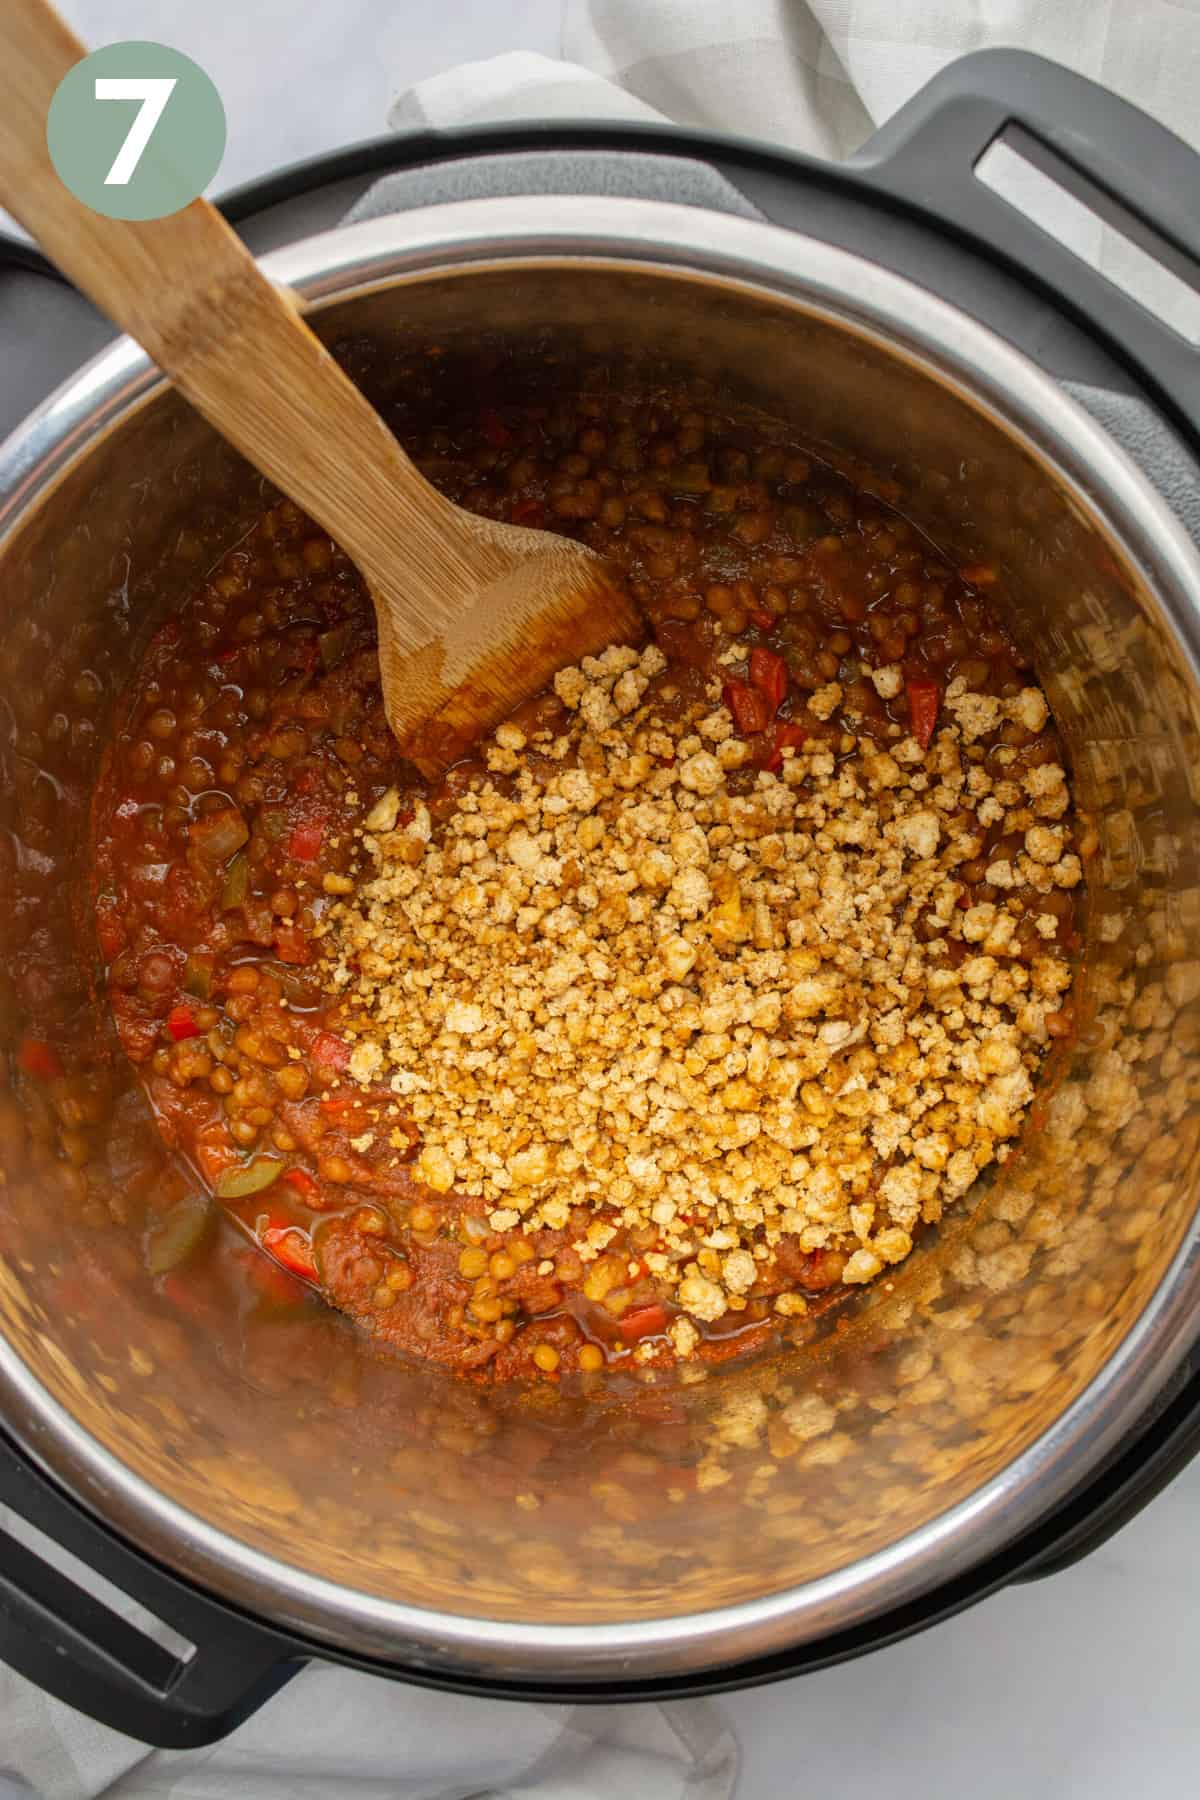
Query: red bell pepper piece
{"x":751,"y":710}
{"x":769,"y":674}
{"x":762,"y":618}
{"x":304,"y":1183}
{"x":530,"y":512}
{"x":291,"y":945}
{"x":494,"y":429}
{"x":111,"y":933}
{"x":337,"y":1106}
{"x":788,"y":735}
{"x":332,"y":1052}
{"x":924,"y":702}
{"x":181,"y":1024}
{"x":305,"y":840}
{"x":271,"y":1281}
{"x":643,"y":1322}
{"x":39,"y":1059}
{"x":289,"y":1246}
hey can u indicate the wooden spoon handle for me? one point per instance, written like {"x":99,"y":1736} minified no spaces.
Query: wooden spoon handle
{"x":190,"y":293}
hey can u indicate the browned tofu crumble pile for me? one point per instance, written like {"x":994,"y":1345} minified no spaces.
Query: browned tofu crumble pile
{"x":618,"y":982}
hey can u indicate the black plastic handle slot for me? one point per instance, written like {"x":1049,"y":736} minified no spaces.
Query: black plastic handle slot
{"x":68,"y":1641}
{"x":1131,"y":171}
{"x":1019,"y":168}
{"x":65,"y":1611}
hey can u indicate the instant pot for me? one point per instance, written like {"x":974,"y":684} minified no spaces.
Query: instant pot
{"x":275,"y":1492}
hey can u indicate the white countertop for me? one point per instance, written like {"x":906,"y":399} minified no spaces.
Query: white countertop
{"x":1078,"y":1688}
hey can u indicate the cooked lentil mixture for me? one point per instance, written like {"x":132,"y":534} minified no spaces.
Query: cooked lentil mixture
{"x":676,"y":1012}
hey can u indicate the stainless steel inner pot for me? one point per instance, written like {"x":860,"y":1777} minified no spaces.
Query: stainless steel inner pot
{"x":392,"y":1510}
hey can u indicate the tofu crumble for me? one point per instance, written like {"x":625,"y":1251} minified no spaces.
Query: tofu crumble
{"x":628,"y":982}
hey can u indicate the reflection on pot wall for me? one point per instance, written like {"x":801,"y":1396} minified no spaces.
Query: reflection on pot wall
{"x":286,"y":1427}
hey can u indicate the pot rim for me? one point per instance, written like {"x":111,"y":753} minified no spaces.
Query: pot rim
{"x":752,"y":258}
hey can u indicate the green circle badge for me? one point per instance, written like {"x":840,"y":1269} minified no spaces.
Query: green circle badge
{"x":136,"y":130}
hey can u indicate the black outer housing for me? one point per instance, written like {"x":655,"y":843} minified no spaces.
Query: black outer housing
{"x":910,"y":201}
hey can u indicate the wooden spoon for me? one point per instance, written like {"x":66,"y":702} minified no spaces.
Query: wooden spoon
{"x":473,"y":616}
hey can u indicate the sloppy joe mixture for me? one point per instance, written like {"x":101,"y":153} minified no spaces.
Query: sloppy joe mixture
{"x":677,"y":1011}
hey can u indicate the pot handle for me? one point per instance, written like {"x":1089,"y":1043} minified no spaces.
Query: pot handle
{"x":215,"y":1669}
{"x":1125,"y":168}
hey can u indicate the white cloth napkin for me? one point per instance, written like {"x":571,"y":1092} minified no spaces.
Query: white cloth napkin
{"x":332,"y":1733}
{"x":819,"y":75}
